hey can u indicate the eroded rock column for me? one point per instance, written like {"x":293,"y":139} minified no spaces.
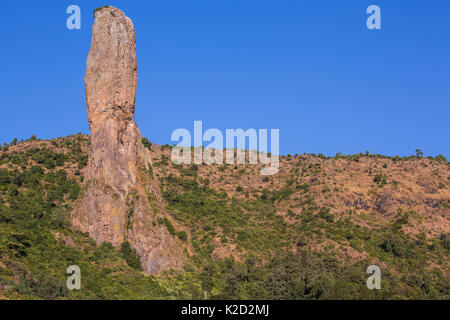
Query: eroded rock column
{"x":115,"y":206}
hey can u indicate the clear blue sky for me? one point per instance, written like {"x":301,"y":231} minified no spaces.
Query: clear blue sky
{"x":310,"y":68}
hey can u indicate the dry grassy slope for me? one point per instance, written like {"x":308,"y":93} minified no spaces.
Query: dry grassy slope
{"x":418,"y":186}
{"x":60,"y":145}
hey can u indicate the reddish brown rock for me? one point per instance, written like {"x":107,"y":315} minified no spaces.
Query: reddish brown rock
{"x":115,"y":206}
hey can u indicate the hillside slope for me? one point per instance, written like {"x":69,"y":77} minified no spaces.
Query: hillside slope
{"x":309,"y":232}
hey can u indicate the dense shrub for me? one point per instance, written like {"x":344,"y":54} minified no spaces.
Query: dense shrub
{"x":130,"y":255}
{"x":169,"y":226}
{"x":182,"y":235}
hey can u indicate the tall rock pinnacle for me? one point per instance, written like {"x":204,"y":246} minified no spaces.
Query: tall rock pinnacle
{"x":115,"y":206}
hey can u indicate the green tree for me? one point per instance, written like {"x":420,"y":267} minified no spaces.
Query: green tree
{"x":130,"y":255}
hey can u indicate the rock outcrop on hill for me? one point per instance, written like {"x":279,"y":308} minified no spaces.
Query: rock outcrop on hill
{"x":121,"y":195}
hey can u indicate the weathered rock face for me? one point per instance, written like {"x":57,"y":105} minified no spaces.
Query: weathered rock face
{"x":119,"y":187}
